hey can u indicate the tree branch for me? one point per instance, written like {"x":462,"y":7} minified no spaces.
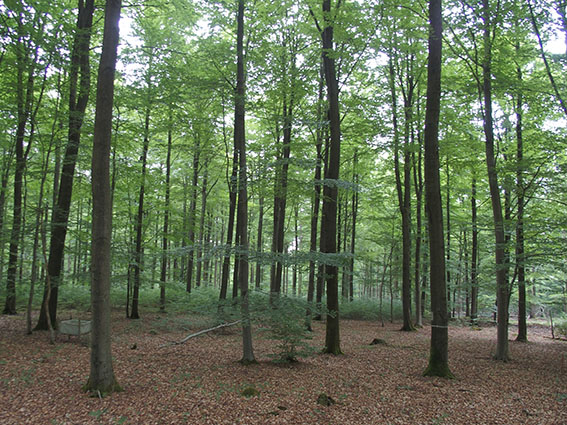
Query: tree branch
{"x":204,"y":331}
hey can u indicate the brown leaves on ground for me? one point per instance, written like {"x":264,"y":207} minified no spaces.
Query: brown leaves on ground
{"x":201,"y":381}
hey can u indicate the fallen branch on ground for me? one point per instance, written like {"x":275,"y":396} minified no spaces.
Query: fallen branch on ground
{"x":204,"y":331}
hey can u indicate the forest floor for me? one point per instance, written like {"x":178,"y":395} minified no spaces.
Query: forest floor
{"x":200,"y":382}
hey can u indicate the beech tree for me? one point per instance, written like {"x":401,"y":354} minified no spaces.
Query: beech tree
{"x":101,"y":378}
{"x":79,"y":90}
{"x":330,"y":188}
{"x":242,"y":209}
{"x":499,"y":235}
{"x":27,"y":56}
{"x":438,"y":354}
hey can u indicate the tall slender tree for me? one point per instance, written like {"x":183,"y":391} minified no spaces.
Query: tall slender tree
{"x":139,"y":249}
{"x":242,"y":209}
{"x":438,"y":354}
{"x":101,"y":378}
{"x":520,"y":242}
{"x":27,"y":58}
{"x":79,"y":90}
{"x":499,"y":234}
{"x":315,"y":202}
{"x":330,"y":188}
{"x":165,"y":239}
{"x":474,"y":255}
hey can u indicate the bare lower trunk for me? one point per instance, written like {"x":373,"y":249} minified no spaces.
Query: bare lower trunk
{"x":438,"y":357}
{"x":330,"y":189}
{"x":242,"y":222}
{"x":101,"y":378}
{"x":499,"y":235}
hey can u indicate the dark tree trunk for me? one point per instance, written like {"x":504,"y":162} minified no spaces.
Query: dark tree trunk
{"x":236,"y":261}
{"x":193,"y":214}
{"x":316,"y":202}
{"x":438,"y":355}
{"x":79,"y":89}
{"x":164,"y":244}
{"x":354,"y":213}
{"x":474,"y":256}
{"x":320,"y":289}
{"x":330,"y":188}
{"x":296,"y":238}
{"x":3,"y":189}
{"x":39,"y":226}
{"x":520,"y":250}
{"x":233,"y":186}
{"x":207,"y":274}
{"x":404,"y":203}
{"x":24,"y":94}
{"x":138,"y":254}
{"x":500,"y":239}
{"x":242,"y":212}
{"x":448,"y":250}
{"x":101,"y":379}
{"x":259,"y":244}
{"x":202,"y":227}
{"x":339,"y":233}
{"x":418,"y":184}
{"x":280,"y":192}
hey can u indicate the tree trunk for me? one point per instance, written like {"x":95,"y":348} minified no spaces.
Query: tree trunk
{"x":79,"y":90}
{"x":320,"y":290}
{"x":193,"y":213}
{"x":24,"y":94}
{"x":202,"y":227}
{"x":403,"y":200}
{"x":438,"y":354}
{"x":418,"y":184}
{"x":354,"y":213}
{"x":500,"y":239}
{"x":39,"y":224}
{"x":280,"y":191}
{"x":164,"y":241}
{"x":474,"y":256}
{"x":316,"y":201}
{"x":448,"y":250}
{"x":233,"y":186}
{"x":242,"y":222}
{"x":259,"y":244}
{"x":3,"y":189}
{"x":296,"y":238}
{"x":138,"y":254}
{"x":207,"y":250}
{"x":330,"y":188}
{"x":101,"y":379}
{"x":339,"y":234}
{"x":520,"y":250}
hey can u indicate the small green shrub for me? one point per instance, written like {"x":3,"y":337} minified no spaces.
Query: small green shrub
{"x":283,"y":321}
{"x":561,"y":327}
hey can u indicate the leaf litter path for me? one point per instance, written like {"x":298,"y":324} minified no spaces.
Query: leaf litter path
{"x":200,"y":382}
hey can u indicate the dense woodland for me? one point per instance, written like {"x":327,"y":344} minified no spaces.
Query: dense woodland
{"x":283,"y":147}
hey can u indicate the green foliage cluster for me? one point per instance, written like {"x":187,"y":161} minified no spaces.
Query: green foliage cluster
{"x":369,"y":309}
{"x":283,"y":320}
{"x":561,"y":327}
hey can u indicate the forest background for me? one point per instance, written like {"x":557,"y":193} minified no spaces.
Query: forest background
{"x":173,"y":166}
